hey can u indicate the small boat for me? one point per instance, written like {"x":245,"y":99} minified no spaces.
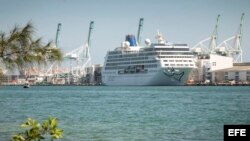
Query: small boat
{"x":26,"y":85}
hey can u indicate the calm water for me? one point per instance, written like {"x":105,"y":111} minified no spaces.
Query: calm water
{"x":128,"y":113}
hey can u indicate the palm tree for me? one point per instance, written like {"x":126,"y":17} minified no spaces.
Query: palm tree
{"x":19,"y":50}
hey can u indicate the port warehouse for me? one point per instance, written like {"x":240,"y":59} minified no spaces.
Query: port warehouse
{"x":238,"y":74}
{"x":216,"y":64}
{"x":220,"y":70}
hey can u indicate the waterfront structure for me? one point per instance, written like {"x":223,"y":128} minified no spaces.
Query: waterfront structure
{"x":93,"y":75}
{"x":161,"y":63}
{"x":207,"y":63}
{"x":239,"y":73}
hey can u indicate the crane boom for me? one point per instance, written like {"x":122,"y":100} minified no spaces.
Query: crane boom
{"x":140,"y":30}
{"x":214,"y":37}
{"x":57,"y":33}
{"x":91,"y":27}
{"x":216,"y":26}
{"x":241,"y":24}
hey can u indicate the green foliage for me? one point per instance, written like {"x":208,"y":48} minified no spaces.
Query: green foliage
{"x":19,"y":49}
{"x":36,"y":132}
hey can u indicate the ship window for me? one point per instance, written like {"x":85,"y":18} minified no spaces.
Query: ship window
{"x":151,"y":66}
{"x":166,"y":64}
{"x":191,"y":65}
{"x":172,"y":64}
{"x":186,"y":64}
{"x":130,"y":62}
{"x":214,"y":63}
{"x":172,"y":49}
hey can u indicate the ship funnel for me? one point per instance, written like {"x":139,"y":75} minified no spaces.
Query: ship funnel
{"x":131,"y":39}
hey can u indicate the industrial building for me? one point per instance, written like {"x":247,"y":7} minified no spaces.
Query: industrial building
{"x":208,"y":63}
{"x":239,"y":73}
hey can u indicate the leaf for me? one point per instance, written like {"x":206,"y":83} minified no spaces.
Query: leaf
{"x":18,"y":49}
{"x":53,"y":123}
{"x":18,"y":138}
{"x":45,"y":125}
{"x":24,"y":125}
{"x":28,"y":123}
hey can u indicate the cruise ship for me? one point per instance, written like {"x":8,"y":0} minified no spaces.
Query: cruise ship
{"x":155,"y":64}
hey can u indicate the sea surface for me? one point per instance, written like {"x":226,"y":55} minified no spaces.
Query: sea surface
{"x":103,"y":113}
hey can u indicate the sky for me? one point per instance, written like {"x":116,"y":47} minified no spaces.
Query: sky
{"x":181,"y":21}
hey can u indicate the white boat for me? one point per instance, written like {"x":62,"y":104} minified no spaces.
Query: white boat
{"x":26,"y":85}
{"x":161,"y":63}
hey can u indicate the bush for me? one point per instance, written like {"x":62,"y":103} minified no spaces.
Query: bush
{"x":36,"y":131}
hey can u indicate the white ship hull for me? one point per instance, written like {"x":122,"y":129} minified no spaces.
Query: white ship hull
{"x":160,"y":77}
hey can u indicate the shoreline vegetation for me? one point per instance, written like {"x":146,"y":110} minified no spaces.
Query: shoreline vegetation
{"x":36,"y":131}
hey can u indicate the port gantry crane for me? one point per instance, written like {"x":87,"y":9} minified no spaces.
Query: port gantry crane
{"x":80,"y":56}
{"x":208,"y":45}
{"x":232,"y":46}
{"x":75,"y":61}
{"x":78,"y":59}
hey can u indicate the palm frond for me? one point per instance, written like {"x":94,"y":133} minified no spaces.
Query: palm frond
{"x":18,"y":49}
